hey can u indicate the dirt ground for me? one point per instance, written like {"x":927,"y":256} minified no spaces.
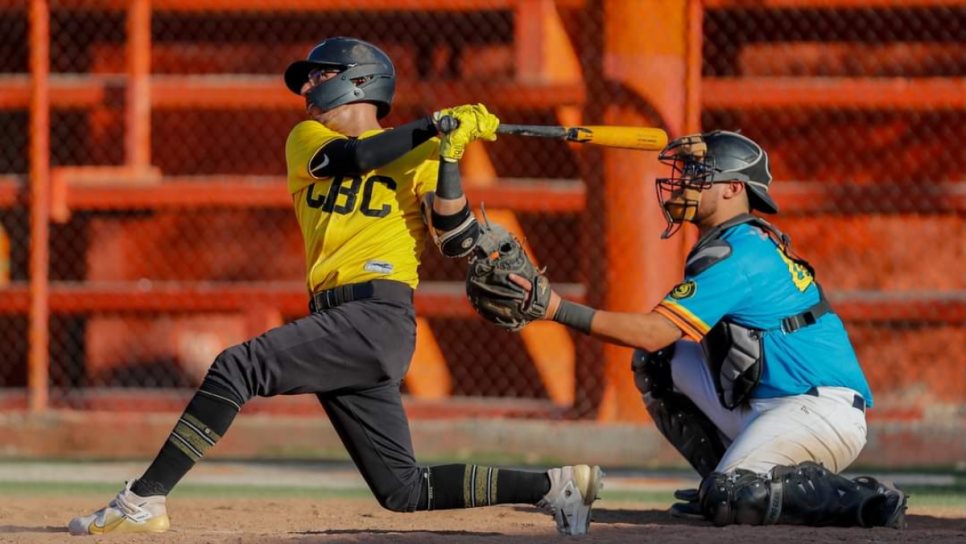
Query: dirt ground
{"x":216,"y":521}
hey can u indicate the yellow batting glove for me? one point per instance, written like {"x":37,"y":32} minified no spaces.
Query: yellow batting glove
{"x":453,"y":145}
{"x":474,"y":122}
{"x":486,"y":123}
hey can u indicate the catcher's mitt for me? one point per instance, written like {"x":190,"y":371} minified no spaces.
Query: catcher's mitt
{"x":497,"y":255}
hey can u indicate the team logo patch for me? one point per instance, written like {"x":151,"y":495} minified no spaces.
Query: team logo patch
{"x":684,"y":290}
{"x":379,"y":267}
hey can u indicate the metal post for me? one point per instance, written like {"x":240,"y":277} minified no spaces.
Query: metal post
{"x":39,"y":334}
{"x":138,"y":115}
{"x":645,"y":52}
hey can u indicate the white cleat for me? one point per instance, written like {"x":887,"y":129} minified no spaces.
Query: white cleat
{"x":126,"y":513}
{"x":573,"y":490}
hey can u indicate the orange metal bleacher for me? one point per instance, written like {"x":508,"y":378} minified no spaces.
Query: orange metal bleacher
{"x":136,"y":186}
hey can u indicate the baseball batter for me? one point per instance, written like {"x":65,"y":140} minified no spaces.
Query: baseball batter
{"x":744,"y":366}
{"x":366,"y":199}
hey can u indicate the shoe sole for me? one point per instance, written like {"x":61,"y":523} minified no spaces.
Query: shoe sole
{"x":157,"y":524}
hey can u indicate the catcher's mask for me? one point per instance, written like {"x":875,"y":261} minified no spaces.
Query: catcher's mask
{"x":698,"y":161}
{"x":366,"y":74}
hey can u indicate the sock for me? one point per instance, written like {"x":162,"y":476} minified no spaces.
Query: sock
{"x":469,"y":486}
{"x":204,"y":421}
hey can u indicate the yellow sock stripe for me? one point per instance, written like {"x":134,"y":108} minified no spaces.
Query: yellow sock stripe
{"x":212,"y":435}
{"x":468,"y":476}
{"x":480,"y":487}
{"x":179,"y":443}
{"x":184,"y":436}
{"x":193,"y":437}
{"x":492,"y":491}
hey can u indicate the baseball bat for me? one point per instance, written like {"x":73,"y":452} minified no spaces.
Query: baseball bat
{"x":640,"y":138}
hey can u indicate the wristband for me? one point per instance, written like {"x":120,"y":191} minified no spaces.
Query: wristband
{"x":575,"y":315}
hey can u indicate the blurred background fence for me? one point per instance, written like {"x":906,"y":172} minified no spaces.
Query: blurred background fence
{"x":146,"y":225}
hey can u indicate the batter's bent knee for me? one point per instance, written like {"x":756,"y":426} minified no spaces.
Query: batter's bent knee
{"x":402,"y":498}
{"x":399,"y":493}
{"x":397,"y":501}
{"x":233,"y":370}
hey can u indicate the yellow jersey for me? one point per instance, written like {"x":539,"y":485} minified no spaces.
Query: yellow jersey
{"x":358,"y":228}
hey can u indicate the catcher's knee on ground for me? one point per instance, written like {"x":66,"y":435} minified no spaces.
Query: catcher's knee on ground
{"x":803,"y":494}
{"x":678,"y":419}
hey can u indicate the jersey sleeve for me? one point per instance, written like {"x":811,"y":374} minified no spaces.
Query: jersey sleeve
{"x":305,"y":140}
{"x":701,"y":300}
{"x":427,"y":172}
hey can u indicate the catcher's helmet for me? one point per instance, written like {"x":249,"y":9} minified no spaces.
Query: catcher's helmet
{"x":699,"y":160}
{"x":366,"y":74}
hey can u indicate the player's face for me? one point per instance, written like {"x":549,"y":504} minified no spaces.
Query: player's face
{"x":316,"y":77}
{"x":707,"y":203}
{"x":682,"y":194}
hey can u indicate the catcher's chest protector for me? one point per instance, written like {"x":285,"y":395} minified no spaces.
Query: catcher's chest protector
{"x":735,"y":352}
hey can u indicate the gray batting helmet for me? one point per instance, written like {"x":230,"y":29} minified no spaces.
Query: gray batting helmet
{"x":366,"y":74}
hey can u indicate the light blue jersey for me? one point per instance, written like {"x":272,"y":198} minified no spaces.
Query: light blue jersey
{"x":757,"y":286}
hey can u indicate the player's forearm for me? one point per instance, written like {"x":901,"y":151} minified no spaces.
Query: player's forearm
{"x":449,"y":190}
{"x":648,"y":331}
{"x":455,"y":227}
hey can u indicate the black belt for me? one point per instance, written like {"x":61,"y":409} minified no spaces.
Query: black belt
{"x":383,"y":289}
{"x":857,"y":401}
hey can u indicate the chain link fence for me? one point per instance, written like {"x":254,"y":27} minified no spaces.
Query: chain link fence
{"x":157,"y":265}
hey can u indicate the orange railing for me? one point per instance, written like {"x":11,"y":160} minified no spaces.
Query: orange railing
{"x":589,"y":214}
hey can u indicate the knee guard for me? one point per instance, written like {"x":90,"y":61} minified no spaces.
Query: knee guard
{"x":804,"y":494}
{"x":679,"y":420}
{"x":741,"y":497}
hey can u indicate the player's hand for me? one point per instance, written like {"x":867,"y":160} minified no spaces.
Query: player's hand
{"x":472,"y":117}
{"x":473,"y":122}
{"x":552,"y":304}
{"x":484,"y":123}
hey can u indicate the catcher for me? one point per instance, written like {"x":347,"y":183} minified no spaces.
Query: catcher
{"x":360,"y":194}
{"x":744,"y":366}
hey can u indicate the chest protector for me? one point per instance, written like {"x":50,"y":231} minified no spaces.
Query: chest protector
{"x":734,"y":352}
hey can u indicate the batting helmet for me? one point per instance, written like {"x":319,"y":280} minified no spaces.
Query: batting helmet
{"x":699,"y":160}
{"x":736,"y":157}
{"x":366,"y":74}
